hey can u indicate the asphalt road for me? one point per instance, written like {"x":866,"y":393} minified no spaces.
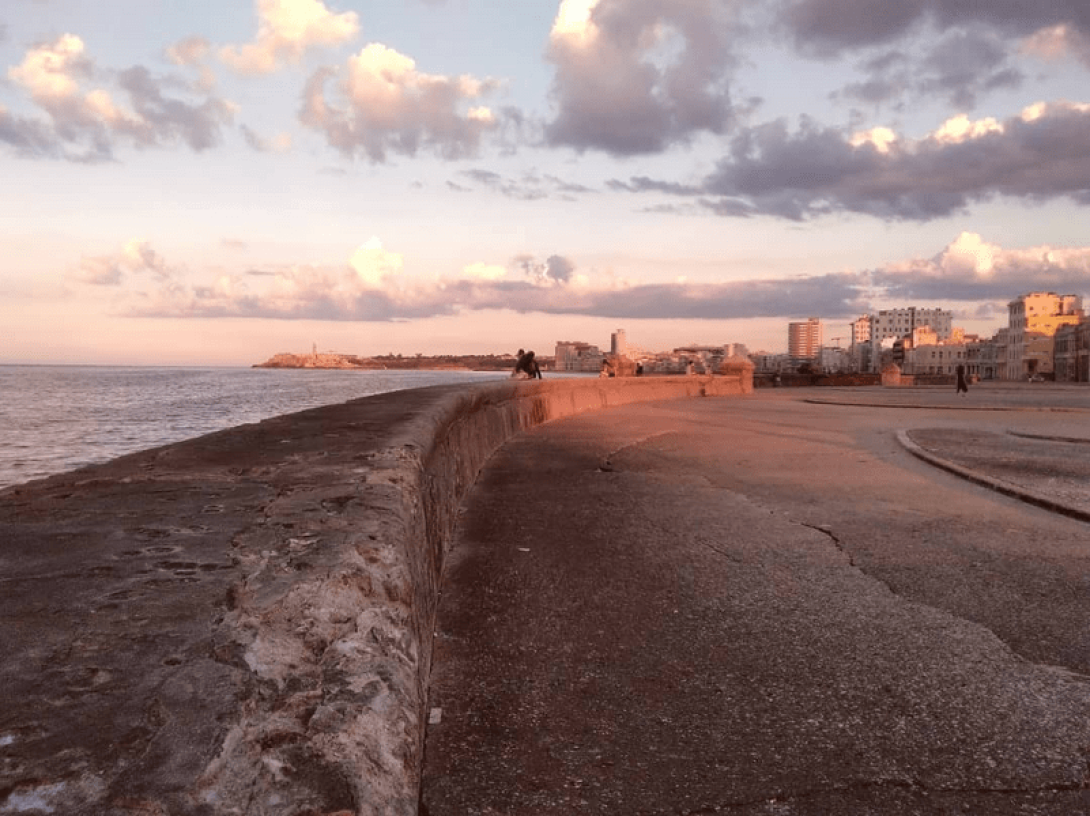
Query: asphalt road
{"x":762,"y":606}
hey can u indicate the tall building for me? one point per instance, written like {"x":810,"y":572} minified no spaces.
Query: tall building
{"x":804,"y":339}
{"x":1032,"y":323}
{"x":861,"y":330}
{"x":618,"y":343}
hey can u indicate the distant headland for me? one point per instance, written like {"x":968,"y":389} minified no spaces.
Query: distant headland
{"x":468,"y":362}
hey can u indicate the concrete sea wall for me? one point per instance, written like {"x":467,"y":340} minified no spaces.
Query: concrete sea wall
{"x":242,"y":623}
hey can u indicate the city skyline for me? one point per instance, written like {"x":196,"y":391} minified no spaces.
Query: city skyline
{"x":214,"y":183}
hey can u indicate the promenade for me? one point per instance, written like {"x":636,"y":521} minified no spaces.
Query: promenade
{"x":800,"y":602}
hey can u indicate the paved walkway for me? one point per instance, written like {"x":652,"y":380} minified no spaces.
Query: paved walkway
{"x":771,"y":606}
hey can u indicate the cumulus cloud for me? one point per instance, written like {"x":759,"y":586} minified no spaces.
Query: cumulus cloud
{"x":635,"y":77}
{"x":971,"y":269}
{"x":1041,"y":154}
{"x":286,"y":29}
{"x":382,"y":104}
{"x":373,"y":265}
{"x":85,"y":124}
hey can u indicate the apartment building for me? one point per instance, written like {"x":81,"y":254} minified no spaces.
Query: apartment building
{"x":1033,"y":320}
{"x":804,"y":339}
{"x":902,"y":322}
{"x":574,"y":355}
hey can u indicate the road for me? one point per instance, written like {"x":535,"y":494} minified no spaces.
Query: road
{"x":762,"y":606}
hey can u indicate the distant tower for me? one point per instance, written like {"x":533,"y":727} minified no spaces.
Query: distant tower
{"x":804,"y":339}
{"x":618,"y":345}
{"x":314,"y":349}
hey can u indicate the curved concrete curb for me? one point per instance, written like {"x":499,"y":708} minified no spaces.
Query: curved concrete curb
{"x":242,"y":623}
{"x":1016,"y":408}
{"x":998,"y":485}
{"x":1074,"y":440}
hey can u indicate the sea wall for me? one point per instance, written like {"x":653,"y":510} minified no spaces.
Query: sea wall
{"x":242,"y":623}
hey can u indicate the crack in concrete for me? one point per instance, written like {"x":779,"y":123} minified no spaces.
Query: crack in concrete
{"x":825,"y":530}
{"x":606,"y":465}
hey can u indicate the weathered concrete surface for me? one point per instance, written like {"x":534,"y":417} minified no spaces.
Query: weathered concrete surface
{"x":761,"y":606}
{"x":242,"y":623}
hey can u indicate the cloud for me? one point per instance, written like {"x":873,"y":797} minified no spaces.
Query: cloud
{"x":958,"y":66}
{"x":1041,"y":154}
{"x":530,"y":187}
{"x":383,"y":104}
{"x":829,"y":27}
{"x":189,"y":51}
{"x":85,"y":125}
{"x":136,"y":257}
{"x":971,"y":269}
{"x":1059,"y":42}
{"x":635,"y":77}
{"x":555,"y":269}
{"x":919,"y":49}
{"x":970,"y":273}
{"x":286,"y":29}
{"x":281,"y":143}
{"x":374,"y":266}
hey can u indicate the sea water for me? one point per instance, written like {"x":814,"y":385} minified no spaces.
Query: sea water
{"x":57,"y":418}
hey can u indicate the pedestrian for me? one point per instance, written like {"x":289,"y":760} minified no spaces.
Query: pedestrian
{"x":963,"y":387}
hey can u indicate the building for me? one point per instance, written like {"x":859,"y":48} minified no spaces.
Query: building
{"x":804,"y":339}
{"x":1033,"y":320}
{"x":935,"y":359}
{"x":981,"y":358}
{"x":902,"y":322}
{"x":861,"y":350}
{"x":890,"y":326}
{"x":1071,"y":352}
{"x":578,"y":356}
{"x":618,"y":344}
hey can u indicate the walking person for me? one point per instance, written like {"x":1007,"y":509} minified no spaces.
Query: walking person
{"x":963,"y":387}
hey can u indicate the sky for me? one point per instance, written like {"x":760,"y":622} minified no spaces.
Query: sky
{"x":210,"y":183}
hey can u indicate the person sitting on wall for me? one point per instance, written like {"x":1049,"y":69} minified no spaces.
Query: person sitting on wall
{"x":526,"y":367}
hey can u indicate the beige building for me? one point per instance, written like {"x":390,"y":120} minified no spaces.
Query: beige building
{"x":1032,"y":324}
{"x":939,"y":359}
{"x":578,"y":356}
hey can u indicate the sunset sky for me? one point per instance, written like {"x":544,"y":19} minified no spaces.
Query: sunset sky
{"x":212,"y":182}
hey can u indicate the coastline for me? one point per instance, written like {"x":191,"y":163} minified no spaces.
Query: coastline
{"x":390,"y":362}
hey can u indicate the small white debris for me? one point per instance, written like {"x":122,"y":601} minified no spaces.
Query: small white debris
{"x":524,"y":549}
{"x":6,"y":739}
{"x":435,"y":716}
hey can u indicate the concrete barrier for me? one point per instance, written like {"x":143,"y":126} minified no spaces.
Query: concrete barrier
{"x":242,"y":623}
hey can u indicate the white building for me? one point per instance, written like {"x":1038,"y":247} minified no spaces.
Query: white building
{"x":890,"y":325}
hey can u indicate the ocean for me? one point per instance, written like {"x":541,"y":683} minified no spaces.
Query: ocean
{"x":57,"y":418}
